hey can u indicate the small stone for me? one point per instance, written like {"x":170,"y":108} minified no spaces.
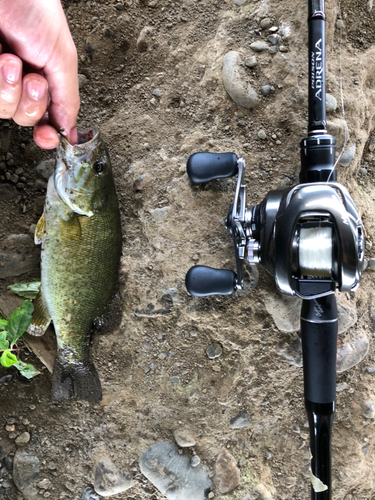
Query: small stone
{"x":262,"y":135}
{"x":45,"y":168}
{"x":371,"y":263}
{"x":283,"y":48}
{"x":259,"y":46}
{"x":235,"y":81}
{"x":144,"y":39}
{"x":214,"y":350}
{"x":26,"y":473}
{"x":266,"y":90}
{"x":239,"y":2}
{"x":263,"y":492}
{"x":369,"y":5}
{"x":265,"y":23}
{"x":369,"y":409}
{"x":159,"y":214}
{"x":240,"y":421}
{"x":184,"y":438}
{"x":251,"y":62}
{"x":227,"y":474}
{"x":10,"y":427}
{"x":172,"y":474}
{"x":273,"y":49}
{"x":274,"y":39}
{"x":331,"y":103}
{"x":44,"y":484}
{"x":195,"y":461}
{"x":22,"y":439}
{"x":348,"y":156}
{"x":156,"y":92}
{"x":7,"y":192}
{"x":352,"y":353}
{"x":89,"y":494}
{"x":341,"y":387}
{"x":339,"y":24}
{"x":82,"y":81}
{"x":109,"y":481}
{"x":120,"y":6}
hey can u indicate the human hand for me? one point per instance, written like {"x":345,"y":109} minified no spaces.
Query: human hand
{"x":37,"y":34}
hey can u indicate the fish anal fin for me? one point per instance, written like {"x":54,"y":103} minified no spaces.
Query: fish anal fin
{"x":40,"y":230}
{"x":41,"y":317}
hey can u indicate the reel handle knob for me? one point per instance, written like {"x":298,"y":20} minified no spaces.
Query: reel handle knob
{"x":204,"y":167}
{"x":202,"y":281}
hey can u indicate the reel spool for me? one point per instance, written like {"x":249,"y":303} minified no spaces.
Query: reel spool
{"x":310,"y":237}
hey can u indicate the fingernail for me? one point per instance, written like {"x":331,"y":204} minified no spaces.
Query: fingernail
{"x":36,"y":89}
{"x":11,"y":71}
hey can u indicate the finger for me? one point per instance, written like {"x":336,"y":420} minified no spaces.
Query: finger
{"x":62,"y":79}
{"x":45,"y":136}
{"x":10,"y":84}
{"x":33,"y":102}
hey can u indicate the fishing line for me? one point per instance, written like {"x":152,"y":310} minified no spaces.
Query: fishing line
{"x":315,"y":251}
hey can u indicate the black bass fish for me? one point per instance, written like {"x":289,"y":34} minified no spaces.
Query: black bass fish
{"x":80,"y":234}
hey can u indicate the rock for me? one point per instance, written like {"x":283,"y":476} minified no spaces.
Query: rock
{"x":227,"y":474}
{"x":240,"y":421}
{"x":239,"y":2}
{"x":369,"y":5}
{"x":22,"y":439}
{"x":172,"y":474}
{"x":266,"y":90}
{"x":184,"y":438}
{"x":331,"y":103}
{"x":39,"y":204}
{"x":82,"y":82}
{"x":274,"y":39}
{"x":259,"y":46}
{"x":291,"y":353}
{"x":351,"y":354}
{"x":369,"y":409}
{"x":156,"y":92}
{"x":195,"y":461}
{"x":283,"y":48}
{"x":251,"y":62}
{"x":109,"y":481}
{"x":371,"y":263}
{"x":89,"y":494}
{"x":347,"y":157}
{"x":159,"y":214}
{"x":214,"y":350}
{"x":234,"y":79}
{"x":263,"y":492}
{"x":265,"y":23}
{"x":7,"y":192}
{"x":339,"y":24}
{"x":262,"y":135}
{"x":12,"y":265}
{"x":26,"y":473}
{"x":144,"y":39}
{"x":273,"y":49}
{"x":45,"y":168}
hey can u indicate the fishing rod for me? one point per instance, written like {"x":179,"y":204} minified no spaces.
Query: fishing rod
{"x":310,"y":238}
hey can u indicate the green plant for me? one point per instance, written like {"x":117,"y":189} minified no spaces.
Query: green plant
{"x":10,"y":331}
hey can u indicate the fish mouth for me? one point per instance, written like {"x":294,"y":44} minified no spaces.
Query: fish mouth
{"x":86,"y":142}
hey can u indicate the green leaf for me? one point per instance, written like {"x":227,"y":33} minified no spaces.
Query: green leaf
{"x":4,"y":344}
{"x":27,"y":290}
{"x":26,"y":370}
{"x":3,"y":324}
{"x":19,"y":321}
{"x":8,"y":359}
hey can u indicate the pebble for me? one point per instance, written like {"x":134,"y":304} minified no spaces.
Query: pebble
{"x":331,"y":103}
{"x":266,"y":90}
{"x":259,"y":46}
{"x":109,"y":481}
{"x":144,"y":39}
{"x":26,"y":473}
{"x":369,"y":5}
{"x":214,"y":350}
{"x":234,"y":79}
{"x":273,"y":49}
{"x":369,"y":409}
{"x":82,"y":81}
{"x":89,"y":494}
{"x":45,"y":168}
{"x":184,"y":438}
{"x":351,"y":354}
{"x":263,"y":492}
{"x":10,"y":427}
{"x":172,"y":474}
{"x":265,"y":23}
{"x":240,"y":421}
{"x":227,"y":474}
{"x":348,"y":156}
{"x":339,"y":24}
{"x":251,"y":62}
{"x":239,"y":2}
{"x":371,"y":263}
{"x":195,"y":461}
{"x":156,"y":92}
{"x":292,"y":353}
{"x":8,"y":192}
{"x":44,"y":484}
{"x":159,"y":214}
{"x":283,"y":48}
{"x":22,"y":439}
{"x":262,"y":135}
{"x":274,"y":39}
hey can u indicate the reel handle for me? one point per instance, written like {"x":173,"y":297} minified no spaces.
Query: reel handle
{"x":202,"y":281}
{"x":204,"y":167}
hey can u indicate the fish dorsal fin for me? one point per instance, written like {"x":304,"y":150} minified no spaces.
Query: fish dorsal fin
{"x":41,"y":317}
{"x":40,"y":230}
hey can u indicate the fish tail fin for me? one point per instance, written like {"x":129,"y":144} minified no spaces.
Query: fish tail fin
{"x":75,"y":380}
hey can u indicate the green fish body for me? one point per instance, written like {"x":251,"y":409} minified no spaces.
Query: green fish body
{"x":80,"y":234}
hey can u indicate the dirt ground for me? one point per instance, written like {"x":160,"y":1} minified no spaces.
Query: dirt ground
{"x":158,"y":101}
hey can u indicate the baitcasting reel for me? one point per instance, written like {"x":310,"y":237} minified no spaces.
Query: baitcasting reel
{"x":309,"y":237}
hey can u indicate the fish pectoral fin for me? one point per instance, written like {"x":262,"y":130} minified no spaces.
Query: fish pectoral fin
{"x":41,"y":317}
{"x":40,"y":230}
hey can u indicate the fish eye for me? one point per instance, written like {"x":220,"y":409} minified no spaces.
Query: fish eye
{"x":98,"y":167}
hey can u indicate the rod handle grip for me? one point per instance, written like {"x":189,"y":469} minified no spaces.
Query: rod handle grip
{"x":202,"y":281}
{"x":204,"y":167}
